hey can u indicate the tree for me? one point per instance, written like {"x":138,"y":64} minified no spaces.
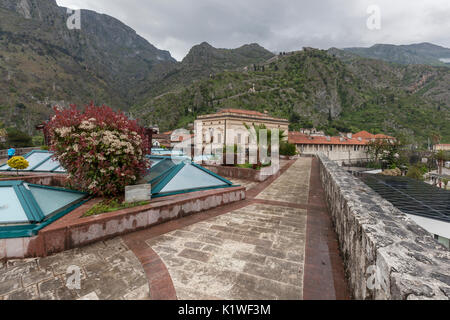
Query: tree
{"x":385,"y":150}
{"x":255,"y":132}
{"x":416,"y":173}
{"x":445,"y":182}
{"x":18,"y":138}
{"x":441,"y":157}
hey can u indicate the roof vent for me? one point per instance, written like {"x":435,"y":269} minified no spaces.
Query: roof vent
{"x":328,"y":138}
{"x":350,"y":135}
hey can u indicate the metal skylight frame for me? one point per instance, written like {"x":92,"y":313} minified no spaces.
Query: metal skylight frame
{"x":412,"y":197}
{"x":56,"y":169}
{"x":160,"y":182}
{"x":37,"y":220}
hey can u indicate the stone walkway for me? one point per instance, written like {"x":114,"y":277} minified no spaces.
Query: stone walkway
{"x":260,"y":248}
{"x":253,"y":253}
{"x":108,"y":270}
{"x":292,"y":186}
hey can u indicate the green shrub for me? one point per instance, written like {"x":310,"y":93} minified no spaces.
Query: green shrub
{"x":288,"y":149}
{"x":416,"y":173}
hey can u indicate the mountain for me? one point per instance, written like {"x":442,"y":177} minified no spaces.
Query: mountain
{"x":333,"y":90}
{"x":42,"y":62}
{"x":422,"y":53}
{"x":203,"y":61}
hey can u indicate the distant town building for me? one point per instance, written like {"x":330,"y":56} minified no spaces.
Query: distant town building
{"x":227,"y":127}
{"x":344,"y":149}
{"x":442,"y":147}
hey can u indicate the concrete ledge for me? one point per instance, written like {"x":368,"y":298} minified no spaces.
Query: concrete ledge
{"x":73,"y":231}
{"x":237,"y":173}
{"x":51,"y":180}
{"x":381,"y":246}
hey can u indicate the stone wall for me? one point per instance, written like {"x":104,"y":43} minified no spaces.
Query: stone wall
{"x":386,"y":254}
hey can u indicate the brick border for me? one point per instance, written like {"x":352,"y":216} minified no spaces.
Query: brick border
{"x":324,"y":276}
{"x":159,"y":281}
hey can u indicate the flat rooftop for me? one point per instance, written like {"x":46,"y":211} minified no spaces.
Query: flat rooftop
{"x":279,"y":243}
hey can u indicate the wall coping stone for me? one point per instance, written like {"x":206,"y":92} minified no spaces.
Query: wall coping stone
{"x":409,"y":262}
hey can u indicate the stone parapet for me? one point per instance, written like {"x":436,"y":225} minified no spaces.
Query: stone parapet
{"x":386,"y":254}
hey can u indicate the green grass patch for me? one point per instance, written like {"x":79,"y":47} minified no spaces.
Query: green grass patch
{"x":108,"y":206}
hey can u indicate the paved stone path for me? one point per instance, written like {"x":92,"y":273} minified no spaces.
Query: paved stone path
{"x":109,"y":271}
{"x":292,"y":186}
{"x":252,"y":253}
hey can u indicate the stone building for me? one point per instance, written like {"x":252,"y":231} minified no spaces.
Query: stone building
{"x":344,"y":149}
{"x":442,"y":147}
{"x":227,"y":126}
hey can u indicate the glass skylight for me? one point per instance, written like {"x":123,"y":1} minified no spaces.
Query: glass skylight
{"x":191,"y":177}
{"x":26,"y":208}
{"x":52,"y":200}
{"x":40,"y":161}
{"x":11,"y":211}
{"x":169,"y":177}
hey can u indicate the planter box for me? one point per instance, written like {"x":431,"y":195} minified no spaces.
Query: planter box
{"x":238,"y":173}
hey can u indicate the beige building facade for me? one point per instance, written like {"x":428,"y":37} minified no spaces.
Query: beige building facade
{"x":227,"y":127}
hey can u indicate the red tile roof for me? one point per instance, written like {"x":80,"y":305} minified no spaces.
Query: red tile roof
{"x":369,"y":136}
{"x":246,"y":112}
{"x":364,"y":135}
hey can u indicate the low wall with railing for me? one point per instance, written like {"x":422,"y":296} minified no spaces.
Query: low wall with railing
{"x":386,"y":254}
{"x":19,"y":152}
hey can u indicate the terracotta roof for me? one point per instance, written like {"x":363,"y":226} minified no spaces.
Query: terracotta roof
{"x":299,"y":138}
{"x":368,"y":136}
{"x":246,"y":112}
{"x":383,"y":136}
{"x":364,"y":135}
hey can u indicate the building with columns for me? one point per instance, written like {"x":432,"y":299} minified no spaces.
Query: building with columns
{"x":344,"y":149}
{"x":227,"y":127}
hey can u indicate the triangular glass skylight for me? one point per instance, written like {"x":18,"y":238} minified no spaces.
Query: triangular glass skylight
{"x":192,"y":177}
{"x":29,"y":205}
{"x":39,"y":161}
{"x":169,"y":177}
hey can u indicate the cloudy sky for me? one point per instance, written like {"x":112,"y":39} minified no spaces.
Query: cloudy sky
{"x":278,"y":25}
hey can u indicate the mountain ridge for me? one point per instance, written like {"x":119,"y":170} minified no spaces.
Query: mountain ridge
{"x":419,"y":53}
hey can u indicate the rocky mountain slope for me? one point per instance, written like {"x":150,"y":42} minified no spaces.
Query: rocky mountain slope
{"x":43,"y":62}
{"x":332,"y":90}
{"x":422,"y":53}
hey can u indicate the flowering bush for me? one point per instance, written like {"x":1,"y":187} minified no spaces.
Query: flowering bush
{"x":102,"y":150}
{"x":18,"y":163}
